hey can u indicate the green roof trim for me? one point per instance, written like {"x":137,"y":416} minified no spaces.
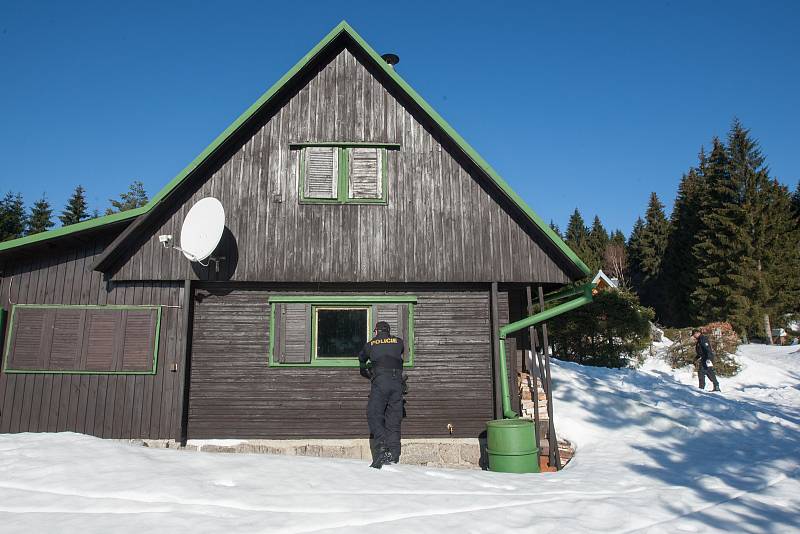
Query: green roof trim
{"x":73,"y":228}
{"x":342,"y":27}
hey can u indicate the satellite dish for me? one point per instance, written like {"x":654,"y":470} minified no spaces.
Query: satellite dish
{"x":202,"y":229}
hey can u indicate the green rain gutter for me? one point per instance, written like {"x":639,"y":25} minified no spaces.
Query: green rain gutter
{"x":586,"y":297}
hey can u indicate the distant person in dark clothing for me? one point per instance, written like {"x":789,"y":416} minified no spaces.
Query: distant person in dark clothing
{"x":384,"y":352}
{"x":704,"y":360}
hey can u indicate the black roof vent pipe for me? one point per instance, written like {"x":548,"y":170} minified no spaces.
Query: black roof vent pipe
{"x":391,"y":59}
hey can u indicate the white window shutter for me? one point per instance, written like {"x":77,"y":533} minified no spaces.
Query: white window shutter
{"x":321,"y":173}
{"x":366,"y":173}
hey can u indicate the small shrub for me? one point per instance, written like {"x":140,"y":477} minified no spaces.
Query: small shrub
{"x":612,"y":331}
{"x":724,"y":341}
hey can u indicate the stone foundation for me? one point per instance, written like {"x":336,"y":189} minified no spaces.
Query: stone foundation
{"x":460,"y":453}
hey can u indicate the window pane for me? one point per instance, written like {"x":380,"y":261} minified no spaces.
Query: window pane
{"x":341,"y":333}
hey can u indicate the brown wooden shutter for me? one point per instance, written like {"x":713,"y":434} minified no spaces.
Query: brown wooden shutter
{"x":276,"y":333}
{"x":394,"y":314}
{"x":366,"y":173}
{"x":294,"y":341}
{"x":321,"y":172}
{"x":79,"y":338}
{"x":402,"y":325}
{"x":138,"y":347}
{"x":67,"y":336}
{"x":102,"y":327}
{"x":28,"y":331}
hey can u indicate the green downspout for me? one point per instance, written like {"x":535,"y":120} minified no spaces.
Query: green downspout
{"x":586,"y":297}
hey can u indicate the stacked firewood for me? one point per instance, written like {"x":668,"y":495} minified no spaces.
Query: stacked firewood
{"x":565,"y":448}
{"x":525,"y":383}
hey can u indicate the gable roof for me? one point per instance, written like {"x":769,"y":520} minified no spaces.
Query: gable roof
{"x":602,"y":276}
{"x":147,"y":212}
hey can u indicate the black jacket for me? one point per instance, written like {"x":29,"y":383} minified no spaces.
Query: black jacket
{"x":383,"y":351}
{"x":703,"y":348}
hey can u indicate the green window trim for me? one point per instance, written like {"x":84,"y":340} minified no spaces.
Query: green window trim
{"x":343,"y":184}
{"x":9,"y":336}
{"x":343,"y":144}
{"x":342,"y":302}
{"x":346,"y":299}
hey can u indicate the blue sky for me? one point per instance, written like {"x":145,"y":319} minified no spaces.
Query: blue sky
{"x":576,"y":104}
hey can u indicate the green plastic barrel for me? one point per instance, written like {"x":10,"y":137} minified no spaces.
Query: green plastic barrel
{"x":511,"y":446}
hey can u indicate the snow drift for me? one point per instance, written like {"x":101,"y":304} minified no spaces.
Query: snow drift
{"x":654,"y":454}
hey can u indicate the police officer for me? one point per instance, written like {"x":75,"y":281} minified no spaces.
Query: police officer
{"x":385,"y":406}
{"x":704,"y":359}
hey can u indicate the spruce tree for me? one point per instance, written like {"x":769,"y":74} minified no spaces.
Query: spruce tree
{"x":680,"y":268}
{"x":12,"y":216}
{"x":724,"y":249}
{"x":577,"y":236}
{"x":635,"y":274}
{"x":597,"y":241}
{"x":41,"y":218}
{"x":135,"y":197}
{"x":75,"y":210}
{"x":770,"y":281}
{"x":554,"y":227}
{"x":617,"y":238}
{"x":777,"y":255}
{"x":652,"y":244}
{"x":796,"y":202}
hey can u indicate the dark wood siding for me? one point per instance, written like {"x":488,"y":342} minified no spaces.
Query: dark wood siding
{"x":110,"y":406}
{"x":443,"y":221}
{"x":235,"y":394}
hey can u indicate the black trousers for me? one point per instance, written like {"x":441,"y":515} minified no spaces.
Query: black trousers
{"x":385,"y":408}
{"x":701,"y":374}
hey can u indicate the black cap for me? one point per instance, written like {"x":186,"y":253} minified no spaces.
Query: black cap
{"x":382,"y":326}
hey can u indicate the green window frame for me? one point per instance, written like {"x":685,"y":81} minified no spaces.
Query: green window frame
{"x":110,"y":307}
{"x":344,"y":153}
{"x":342,"y":302}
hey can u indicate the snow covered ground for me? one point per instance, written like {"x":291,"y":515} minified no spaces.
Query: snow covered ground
{"x":654,"y":455}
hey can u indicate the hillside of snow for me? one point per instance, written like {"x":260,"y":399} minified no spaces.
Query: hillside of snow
{"x":654,"y":454}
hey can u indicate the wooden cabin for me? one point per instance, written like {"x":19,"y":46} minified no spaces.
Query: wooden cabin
{"x":348,"y":200}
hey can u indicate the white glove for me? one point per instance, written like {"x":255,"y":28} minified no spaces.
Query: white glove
{"x":709,"y":363}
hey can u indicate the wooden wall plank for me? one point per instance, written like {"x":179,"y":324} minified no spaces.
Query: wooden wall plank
{"x":235,"y":394}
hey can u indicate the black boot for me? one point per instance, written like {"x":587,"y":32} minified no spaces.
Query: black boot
{"x":382,"y":457}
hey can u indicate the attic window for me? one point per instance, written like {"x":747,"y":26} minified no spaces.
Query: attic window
{"x":343,"y":174}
